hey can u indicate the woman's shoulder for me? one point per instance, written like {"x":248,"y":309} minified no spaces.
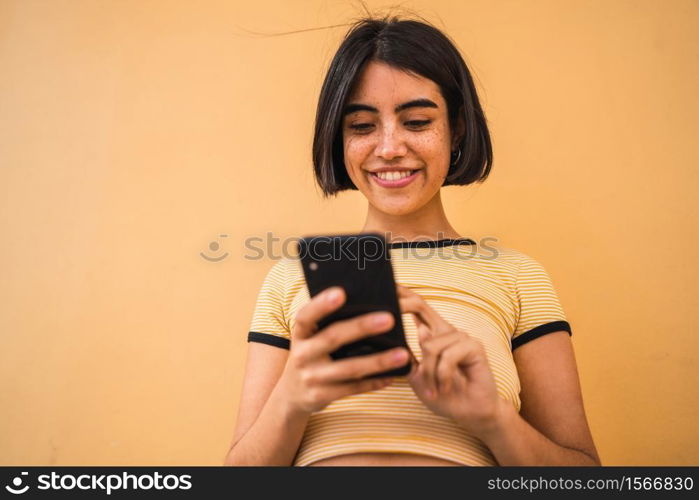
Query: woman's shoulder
{"x":512,"y":254}
{"x":493,"y":258}
{"x":287,"y":269}
{"x":486,"y":251}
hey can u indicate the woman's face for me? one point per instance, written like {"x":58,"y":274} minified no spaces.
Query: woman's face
{"x":396,"y":124}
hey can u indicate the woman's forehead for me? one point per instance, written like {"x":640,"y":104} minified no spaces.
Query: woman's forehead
{"x":386,"y":89}
{"x":382,"y":78}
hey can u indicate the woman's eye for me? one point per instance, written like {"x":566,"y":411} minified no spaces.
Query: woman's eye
{"x":412,"y":124}
{"x":360,"y":126}
{"x":418,"y":123}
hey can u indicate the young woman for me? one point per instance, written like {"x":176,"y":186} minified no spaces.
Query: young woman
{"x":494,"y":379}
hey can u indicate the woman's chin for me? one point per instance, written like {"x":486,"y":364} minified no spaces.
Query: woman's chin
{"x":396,"y":209}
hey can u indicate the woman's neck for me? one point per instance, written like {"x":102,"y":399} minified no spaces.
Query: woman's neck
{"x":430,"y":222}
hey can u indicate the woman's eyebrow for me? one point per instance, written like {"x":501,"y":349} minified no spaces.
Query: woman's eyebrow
{"x":415,"y":103}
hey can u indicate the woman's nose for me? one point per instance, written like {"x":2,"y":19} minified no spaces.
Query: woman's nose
{"x":391,"y":144}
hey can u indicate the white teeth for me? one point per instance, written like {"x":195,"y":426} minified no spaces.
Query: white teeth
{"x":394,"y":175}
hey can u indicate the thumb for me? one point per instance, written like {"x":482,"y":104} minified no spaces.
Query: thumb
{"x":417,"y":381}
{"x":414,"y":366}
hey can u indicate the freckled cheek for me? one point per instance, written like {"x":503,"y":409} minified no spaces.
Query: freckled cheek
{"x":432,"y":150}
{"x":356,"y":154}
{"x":429,"y":144}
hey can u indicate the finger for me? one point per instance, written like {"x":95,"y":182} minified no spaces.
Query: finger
{"x":306,"y":323}
{"x":423,"y":329}
{"x":423,"y":332}
{"x":475,"y":362}
{"x":415,"y":304}
{"x":458,"y":383}
{"x":349,"y":330}
{"x":418,"y":382}
{"x":414,"y":365}
{"x":431,"y":353}
{"x":451,"y":358}
{"x":359,"y":367}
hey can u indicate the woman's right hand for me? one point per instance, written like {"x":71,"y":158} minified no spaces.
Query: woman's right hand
{"x":312,"y":379}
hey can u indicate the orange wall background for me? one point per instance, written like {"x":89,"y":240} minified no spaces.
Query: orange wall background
{"x":133,"y":134}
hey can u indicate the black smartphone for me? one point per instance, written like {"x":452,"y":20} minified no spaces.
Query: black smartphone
{"x":361,"y":264}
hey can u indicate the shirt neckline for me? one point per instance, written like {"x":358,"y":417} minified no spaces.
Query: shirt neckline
{"x":431,"y":243}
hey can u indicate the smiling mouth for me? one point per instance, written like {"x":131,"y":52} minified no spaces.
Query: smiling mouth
{"x":394,"y":179}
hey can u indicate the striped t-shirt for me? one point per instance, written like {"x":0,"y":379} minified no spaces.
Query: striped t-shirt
{"x":502,"y":297}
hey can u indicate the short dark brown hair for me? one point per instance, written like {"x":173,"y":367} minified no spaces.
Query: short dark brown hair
{"x":416,"y":47}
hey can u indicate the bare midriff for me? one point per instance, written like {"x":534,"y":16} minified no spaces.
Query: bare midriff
{"x":384,"y":459}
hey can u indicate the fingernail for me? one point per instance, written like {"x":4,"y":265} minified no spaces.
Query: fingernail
{"x":381,"y":319}
{"x":333,"y":295}
{"x":400,"y":355}
{"x":429,"y":393}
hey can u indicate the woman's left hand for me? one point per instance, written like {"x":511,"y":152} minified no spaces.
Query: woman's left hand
{"x":453,"y":379}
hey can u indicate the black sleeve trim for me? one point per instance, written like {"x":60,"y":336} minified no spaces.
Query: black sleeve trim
{"x":268,"y":338}
{"x":554,"y":326}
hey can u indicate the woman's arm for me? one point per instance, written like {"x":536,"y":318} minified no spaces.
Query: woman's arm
{"x":551,"y":428}
{"x":454,"y":380}
{"x":283,"y":388}
{"x":267,"y":431}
